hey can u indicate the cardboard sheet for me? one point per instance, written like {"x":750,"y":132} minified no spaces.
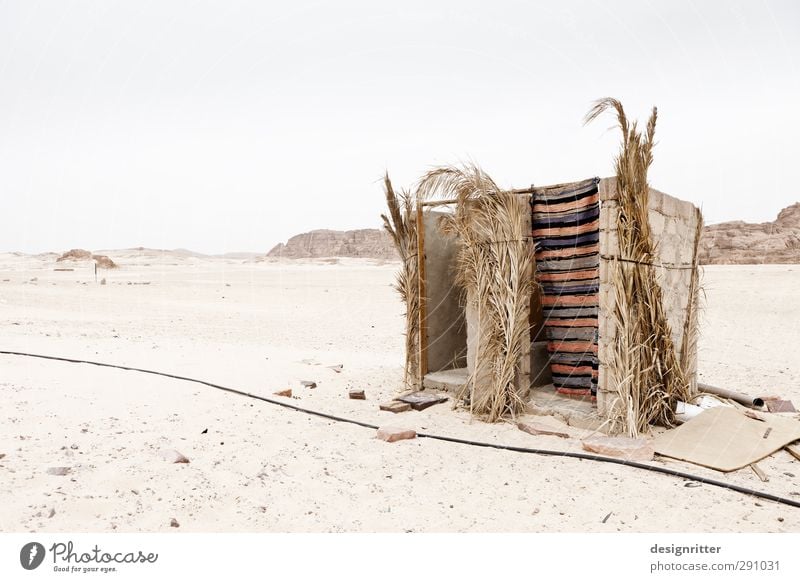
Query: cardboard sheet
{"x":724,"y":439}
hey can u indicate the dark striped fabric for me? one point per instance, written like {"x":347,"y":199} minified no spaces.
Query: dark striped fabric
{"x":566,"y":232}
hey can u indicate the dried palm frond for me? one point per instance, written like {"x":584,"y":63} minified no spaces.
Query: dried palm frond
{"x":494,"y":270}
{"x":401,"y":225}
{"x":645,"y":366}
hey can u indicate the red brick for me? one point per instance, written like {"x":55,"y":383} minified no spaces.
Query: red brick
{"x":391,"y":434}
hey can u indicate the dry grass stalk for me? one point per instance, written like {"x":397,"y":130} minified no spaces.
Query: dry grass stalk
{"x":691,"y":327}
{"x":644,"y":365}
{"x":401,"y":224}
{"x":494,"y":269}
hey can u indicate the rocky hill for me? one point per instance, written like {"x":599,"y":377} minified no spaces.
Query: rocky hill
{"x":369,"y":243}
{"x":734,"y":242}
{"x":77,"y":255}
{"x":740,"y":242}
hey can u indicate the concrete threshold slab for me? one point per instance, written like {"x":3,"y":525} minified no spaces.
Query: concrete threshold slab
{"x":446,"y":380}
{"x":579,"y":412}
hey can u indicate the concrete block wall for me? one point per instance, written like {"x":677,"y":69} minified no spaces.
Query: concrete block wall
{"x":673,"y":223}
{"x":445,"y":324}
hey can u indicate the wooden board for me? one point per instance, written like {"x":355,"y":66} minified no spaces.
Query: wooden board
{"x":724,"y":439}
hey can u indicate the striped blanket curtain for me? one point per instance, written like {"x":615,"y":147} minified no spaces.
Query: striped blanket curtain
{"x":566,"y":232}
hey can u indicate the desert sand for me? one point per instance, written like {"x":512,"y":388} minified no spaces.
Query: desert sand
{"x":266,"y":326}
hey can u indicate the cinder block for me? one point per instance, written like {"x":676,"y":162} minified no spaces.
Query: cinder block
{"x":607,"y":189}
{"x":656,"y":223}
{"x":670,"y":206}
{"x":654,"y":200}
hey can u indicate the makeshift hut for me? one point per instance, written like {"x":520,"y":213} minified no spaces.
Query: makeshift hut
{"x":575,"y":294}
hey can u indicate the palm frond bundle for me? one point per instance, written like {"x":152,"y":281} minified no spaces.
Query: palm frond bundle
{"x":494,"y":269}
{"x":644,"y":364}
{"x":401,"y":225}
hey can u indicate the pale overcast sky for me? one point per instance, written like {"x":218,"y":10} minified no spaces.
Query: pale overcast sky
{"x":223,"y":125}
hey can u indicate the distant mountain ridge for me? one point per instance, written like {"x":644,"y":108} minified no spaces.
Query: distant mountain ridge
{"x":371,"y":243}
{"x":739,"y":242}
{"x":734,"y":242}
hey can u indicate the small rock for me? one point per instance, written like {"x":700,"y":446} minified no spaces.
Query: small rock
{"x":2,"y":455}
{"x":74,"y":447}
{"x":103,"y":281}
{"x":624,"y":447}
{"x":135,"y":491}
{"x":173,"y":456}
{"x":337,"y":368}
{"x":60,"y":471}
{"x":395,"y":406}
{"x":357,"y":395}
{"x":51,"y":513}
{"x":538,"y":429}
{"x":308,"y":384}
{"x":174,"y":523}
{"x":392,"y":434}
{"x":287,"y":393}
{"x":204,"y":431}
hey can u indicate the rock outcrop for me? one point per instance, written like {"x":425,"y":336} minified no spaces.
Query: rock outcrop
{"x":746,"y":243}
{"x":371,"y":243}
{"x":81,"y":255}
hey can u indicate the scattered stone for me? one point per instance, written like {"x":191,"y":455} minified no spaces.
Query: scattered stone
{"x":74,"y":447}
{"x":287,"y":393}
{"x":103,"y":281}
{"x":308,"y":384}
{"x":173,"y":456}
{"x":337,"y":368}
{"x":538,"y":429}
{"x":204,"y":431}
{"x":51,"y":513}
{"x":392,"y":434}
{"x":395,"y":406}
{"x":421,"y":400}
{"x":59,"y":471}
{"x":624,"y":447}
{"x":135,"y":491}
{"x":174,"y":523}
{"x":357,"y":395}
{"x":2,"y":455}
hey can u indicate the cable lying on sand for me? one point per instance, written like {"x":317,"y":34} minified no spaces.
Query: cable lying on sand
{"x":515,"y":449}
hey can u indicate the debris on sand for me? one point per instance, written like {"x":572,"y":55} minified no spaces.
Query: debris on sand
{"x":59,"y":471}
{"x":421,"y":400}
{"x":538,"y":429}
{"x":627,"y":448}
{"x":392,"y":434}
{"x":287,"y":393}
{"x":395,"y":406}
{"x":174,"y":522}
{"x":308,"y":383}
{"x":173,"y":456}
{"x":357,"y":395}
